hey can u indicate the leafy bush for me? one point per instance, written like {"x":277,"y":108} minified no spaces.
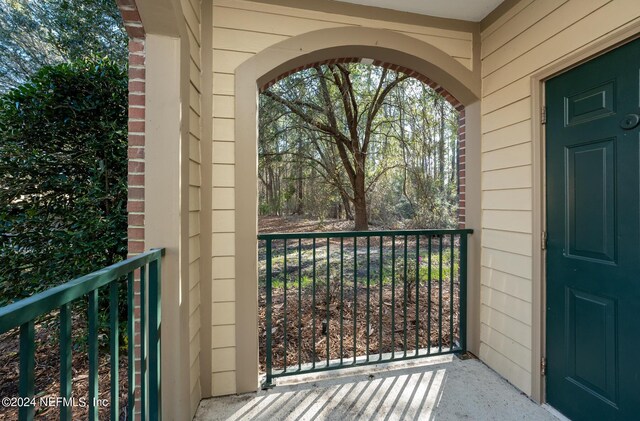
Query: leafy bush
{"x":63,"y":176}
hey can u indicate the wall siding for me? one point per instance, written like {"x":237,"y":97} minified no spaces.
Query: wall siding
{"x":192,"y":15}
{"x":529,"y":37}
{"x":240,"y":30}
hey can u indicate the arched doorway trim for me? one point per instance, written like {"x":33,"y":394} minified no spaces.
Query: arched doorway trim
{"x":380,"y":45}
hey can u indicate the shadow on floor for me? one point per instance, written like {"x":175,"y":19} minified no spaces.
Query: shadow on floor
{"x":438,"y":388}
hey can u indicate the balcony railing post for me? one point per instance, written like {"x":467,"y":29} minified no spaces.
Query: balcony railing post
{"x":269,"y":309}
{"x":131,"y":366}
{"x":27,"y":363}
{"x":66,"y":373}
{"x":114,"y":345}
{"x":463,"y":292}
{"x":155,"y":395}
{"x":93,"y":354}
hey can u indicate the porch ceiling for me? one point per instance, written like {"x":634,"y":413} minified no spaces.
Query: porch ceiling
{"x":473,"y":11}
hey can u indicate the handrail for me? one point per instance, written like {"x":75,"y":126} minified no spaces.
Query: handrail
{"x":15,"y":314}
{"x":142,"y":276}
{"x":360,"y":234}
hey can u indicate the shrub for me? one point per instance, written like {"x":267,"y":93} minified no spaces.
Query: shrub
{"x":63,"y":176}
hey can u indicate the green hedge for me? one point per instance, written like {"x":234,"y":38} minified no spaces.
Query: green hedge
{"x":63,"y":176}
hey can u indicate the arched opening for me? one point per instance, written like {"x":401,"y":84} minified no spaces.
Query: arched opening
{"x":349,"y":145}
{"x":402,"y":52}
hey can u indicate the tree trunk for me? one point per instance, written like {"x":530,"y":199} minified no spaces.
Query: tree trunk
{"x":441,"y":158}
{"x":360,"y":200}
{"x":362,"y":222}
{"x":300,"y":207}
{"x":346,"y":204}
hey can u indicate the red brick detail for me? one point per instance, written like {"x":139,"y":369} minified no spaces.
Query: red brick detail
{"x":136,"y":246}
{"x":137,"y":73}
{"x":136,"y":59}
{"x":136,"y":113}
{"x":136,"y":220}
{"x":424,"y":79}
{"x":136,"y":180}
{"x":136,"y":139}
{"x":136,"y":153}
{"x":135,"y":204}
{"x":136,"y":193}
{"x":136,"y":167}
{"x":136,"y":234}
{"x":136,"y":126}
{"x":136,"y":86}
{"x":136,"y":99}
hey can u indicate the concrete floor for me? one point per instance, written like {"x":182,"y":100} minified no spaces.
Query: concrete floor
{"x":437,"y":388}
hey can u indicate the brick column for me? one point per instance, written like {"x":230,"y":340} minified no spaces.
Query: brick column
{"x":136,"y":163}
{"x":135,"y":205}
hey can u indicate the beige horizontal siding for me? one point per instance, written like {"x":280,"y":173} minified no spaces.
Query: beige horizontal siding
{"x":504,"y":18}
{"x":529,"y":37}
{"x":507,"y":283}
{"x":519,"y":23}
{"x":191,"y":11}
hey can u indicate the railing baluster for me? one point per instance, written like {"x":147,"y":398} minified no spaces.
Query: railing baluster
{"x":285,"y":305}
{"x":299,"y":304}
{"x":155,"y":301}
{"x":313,"y":304}
{"x":355,"y":298}
{"x":341,"y":299}
{"x":451,"y":293}
{"x":93,"y":354}
{"x":393,"y":297}
{"x":440,"y":293}
{"x":27,"y":363}
{"x":327,"y":319}
{"x":417,"y":298}
{"x":380,"y":301}
{"x":114,"y":342}
{"x":65,"y":362}
{"x":143,"y":342}
{"x":131,"y":368}
{"x":404,"y":290}
{"x":368,"y":327}
{"x":463,"y":292}
{"x":268,"y":315}
{"x":429,"y":261}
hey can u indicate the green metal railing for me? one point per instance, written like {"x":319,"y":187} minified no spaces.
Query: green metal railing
{"x":145,"y":268}
{"x":342,"y":299}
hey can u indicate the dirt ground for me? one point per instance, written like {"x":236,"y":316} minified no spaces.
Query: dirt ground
{"x":47,"y":369}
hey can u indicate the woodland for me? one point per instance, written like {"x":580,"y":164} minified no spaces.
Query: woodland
{"x":361,"y":143}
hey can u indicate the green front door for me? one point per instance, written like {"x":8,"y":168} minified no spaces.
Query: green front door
{"x":593,"y":253}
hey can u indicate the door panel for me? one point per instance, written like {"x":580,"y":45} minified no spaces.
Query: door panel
{"x":591,"y":343}
{"x":590,"y":200}
{"x":593,"y":247}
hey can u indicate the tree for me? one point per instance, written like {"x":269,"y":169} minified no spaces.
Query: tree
{"x":346,"y":117}
{"x":63,"y":176}
{"x":36,"y":33}
{"x":410,"y":163}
